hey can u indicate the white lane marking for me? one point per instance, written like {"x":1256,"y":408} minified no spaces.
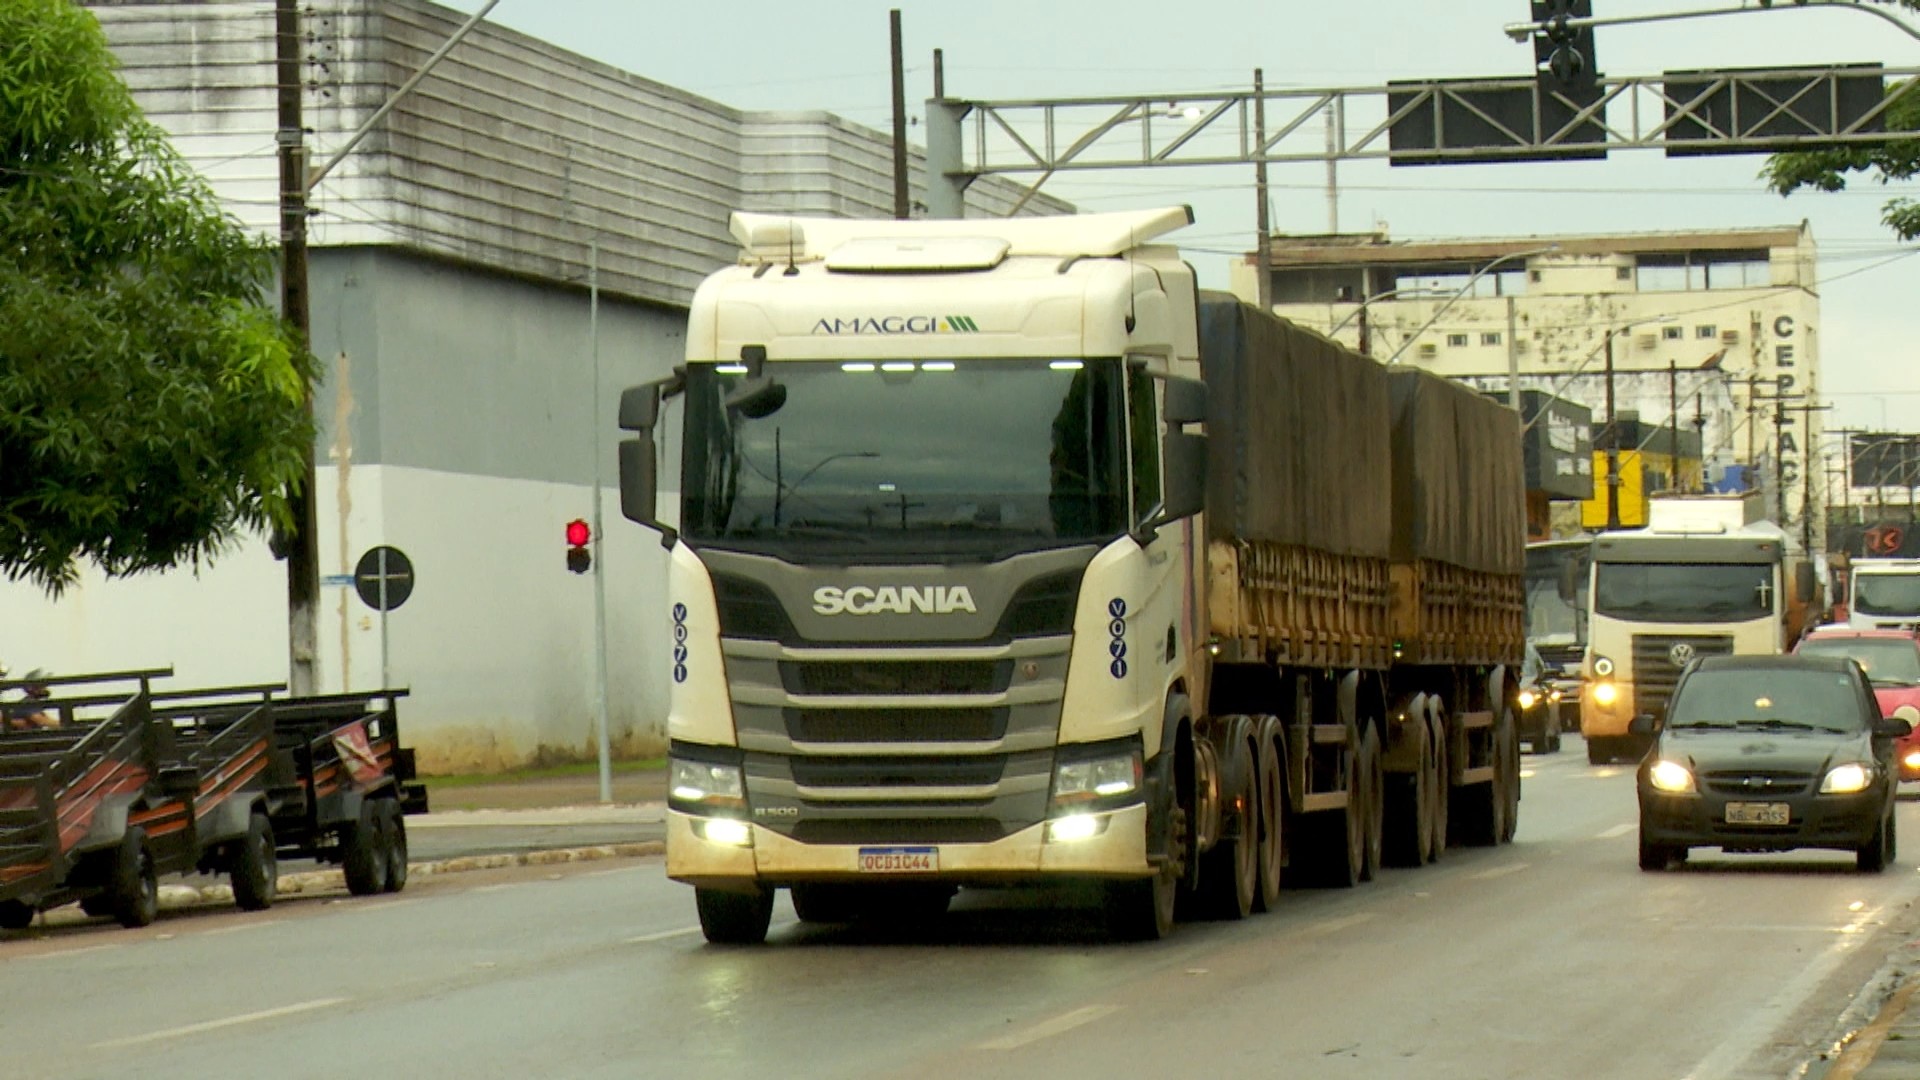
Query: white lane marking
{"x":237,"y":928}
{"x":664,"y":935}
{"x":1330,"y":926}
{"x":1617,"y":830}
{"x":501,"y":886}
{"x":618,"y":870}
{"x":75,"y":952}
{"x":216,"y":1025}
{"x":1046,"y":1029}
{"x":385,"y":905}
{"x":1605,"y":774}
{"x":1498,"y":872}
{"x":1528,"y":774}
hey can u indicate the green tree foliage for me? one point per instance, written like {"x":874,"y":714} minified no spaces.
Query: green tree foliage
{"x":152,"y":404}
{"x":1896,"y":160}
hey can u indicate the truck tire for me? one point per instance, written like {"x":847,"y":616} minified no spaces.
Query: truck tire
{"x":15,"y":915}
{"x":1599,"y":751}
{"x":1142,"y":909}
{"x":1508,"y":739}
{"x":1480,"y":811}
{"x":256,"y":866}
{"x":1442,"y":783}
{"x":1373,"y":817}
{"x":1409,"y":808}
{"x":1336,"y":839}
{"x":394,"y":824}
{"x":363,"y":853}
{"x":1230,"y":873}
{"x":133,"y":884}
{"x":1553,"y":728}
{"x":734,"y":918}
{"x":1271,"y":790}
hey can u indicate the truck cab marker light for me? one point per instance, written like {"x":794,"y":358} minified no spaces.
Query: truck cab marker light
{"x":1065,"y":365}
{"x":857,"y":368}
{"x":937,"y":365}
{"x":897,"y":365}
{"x":731,"y":369}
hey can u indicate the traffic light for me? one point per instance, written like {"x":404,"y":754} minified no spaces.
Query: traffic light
{"x":579,"y":557}
{"x":1563,"y":55}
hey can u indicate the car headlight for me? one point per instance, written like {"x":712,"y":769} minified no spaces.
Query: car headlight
{"x":707,"y":785}
{"x":1670,"y":776}
{"x":1846,"y":779}
{"x":1528,"y":699}
{"x":1602,"y":666}
{"x":1554,"y":694}
{"x":1098,"y":779}
{"x":1605,"y":693}
{"x":1913,"y":759}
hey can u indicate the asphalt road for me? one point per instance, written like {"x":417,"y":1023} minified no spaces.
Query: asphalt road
{"x":1551,"y":957}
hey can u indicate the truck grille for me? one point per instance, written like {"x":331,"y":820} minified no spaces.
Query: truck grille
{"x":1658,"y":660}
{"x":896,"y":725}
{"x":896,"y":677}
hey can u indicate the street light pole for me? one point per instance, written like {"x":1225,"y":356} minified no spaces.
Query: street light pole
{"x":1613,"y":446}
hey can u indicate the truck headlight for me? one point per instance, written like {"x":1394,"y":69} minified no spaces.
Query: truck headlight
{"x":1528,"y":699}
{"x":1105,"y":779}
{"x":1602,"y":666}
{"x":707,"y":786}
{"x":1846,"y":779}
{"x":1670,"y":777}
{"x":728,"y":832}
{"x":1605,"y":693}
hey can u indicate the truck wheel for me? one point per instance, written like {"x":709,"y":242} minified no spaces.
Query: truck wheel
{"x":134,"y":886}
{"x":1230,"y":873}
{"x":1510,"y":763}
{"x":1273,"y":815}
{"x":1481,"y":810}
{"x":1409,"y":806}
{"x":824,"y":903}
{"x":735,"y":918}
{"x":1337,"y":840}
{"x":394,"y":824}
{"x":1373,"y":816}
{"x":1142,"y":909}
{"x":363,"y":855}
{"x":1441,"y":792}
{"x":1553,"y":729}
{"x":256,"y":867}
{"x":15,"y":915}
{"x":1599,"y":751}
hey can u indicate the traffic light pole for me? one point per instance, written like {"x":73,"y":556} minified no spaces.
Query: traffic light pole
{"x":600,"y":564}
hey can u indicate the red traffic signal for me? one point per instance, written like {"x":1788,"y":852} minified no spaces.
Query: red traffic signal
{"x":579,"y":558}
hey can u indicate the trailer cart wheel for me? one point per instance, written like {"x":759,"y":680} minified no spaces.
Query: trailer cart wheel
{"x":134,"y":886}
{"x":363,"y":852}
{"x":15,"y":915}
{"x":256,"y":867}
{"x":735,"y":918}
{"x":1230,"y":874}
{"x":1273,"y":816}
{"x":395,"y":825}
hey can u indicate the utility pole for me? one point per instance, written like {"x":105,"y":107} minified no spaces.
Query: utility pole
{"x":1263,"y":243}
{"x":302,"y":554}
{"x":1673,"y":425}
{"x":1613,"y":446}
{"x":901,"y":203}
{"x":1513,"y":358}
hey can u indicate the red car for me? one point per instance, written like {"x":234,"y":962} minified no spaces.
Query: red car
{"x":1891,"y":658}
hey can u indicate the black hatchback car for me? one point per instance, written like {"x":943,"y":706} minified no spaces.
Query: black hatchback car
{"x":1769,"y":753}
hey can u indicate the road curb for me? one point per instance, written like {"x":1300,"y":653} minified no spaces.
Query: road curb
{"x":174,"y":897}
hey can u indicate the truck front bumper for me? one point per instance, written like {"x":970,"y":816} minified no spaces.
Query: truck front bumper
{"x":1117,"y":850}
{"x":1607,"y":720}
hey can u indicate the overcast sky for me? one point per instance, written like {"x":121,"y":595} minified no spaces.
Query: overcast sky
{"x":756,"y":54}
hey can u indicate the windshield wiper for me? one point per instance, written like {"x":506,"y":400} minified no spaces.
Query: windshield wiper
{"x":1774,"y":723}
{"x":1700,"y":724}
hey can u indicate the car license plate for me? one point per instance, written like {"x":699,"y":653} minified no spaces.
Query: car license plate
{"x":899,"y":860}
{"x":1757,"y":813}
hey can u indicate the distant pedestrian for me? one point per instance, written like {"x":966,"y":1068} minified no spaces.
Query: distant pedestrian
{"x":30,"y":714}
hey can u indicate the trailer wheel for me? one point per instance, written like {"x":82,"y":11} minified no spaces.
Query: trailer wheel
{"x":1409,"y":805}
{"x":15,"y":915}
{"x":1442,"y":788}
{"x":256,"y":868}
{"x":363,"y":854}
{"x":1337,"y":839}
{"x":734,"y":918}
{"x":134,"y":886}
{"x":1373,"y":815}
{"x":1273,"y":815}
{"x":1230,"y":874}
{"x":394,"y":826}
{"x":1510,"y":765}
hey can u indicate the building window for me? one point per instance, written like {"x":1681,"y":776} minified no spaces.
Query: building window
{"x":1490,"y":338}
{"x":1533,"y":275}
{"x":1456,"y":341}
{"x":1673,"y":333}
{"x":1704,"y":332}
{"x":1623,"y":273}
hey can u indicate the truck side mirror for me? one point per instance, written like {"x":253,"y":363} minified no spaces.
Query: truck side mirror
{"x":1186,"y":457}
{"x":640,"y":407}
{"x":1186,"y":402}
{"x":1644,"y":724}
{"x":1569,"y":583}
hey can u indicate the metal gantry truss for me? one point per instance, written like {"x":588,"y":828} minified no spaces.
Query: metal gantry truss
{"x":1701,"y":112}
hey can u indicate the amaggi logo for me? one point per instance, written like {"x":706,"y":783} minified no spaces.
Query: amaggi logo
{"x":898,"y":324}
{"x":893,"y":600}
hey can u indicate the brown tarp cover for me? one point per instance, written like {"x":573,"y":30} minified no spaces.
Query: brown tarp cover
{"x":1298,"y":435}
{"x":1458,"y":476}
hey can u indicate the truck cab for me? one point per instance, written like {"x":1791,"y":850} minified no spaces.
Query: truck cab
{"x":1884,"y":594}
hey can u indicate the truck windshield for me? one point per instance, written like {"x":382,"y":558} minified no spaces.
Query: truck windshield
{"x":1886,"y":594}
{"x":973,"y":458}
{"x":1684,"y":592}
{"x":1552,"y":618}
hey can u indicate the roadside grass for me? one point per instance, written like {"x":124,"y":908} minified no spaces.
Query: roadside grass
{"x":548,"y":772}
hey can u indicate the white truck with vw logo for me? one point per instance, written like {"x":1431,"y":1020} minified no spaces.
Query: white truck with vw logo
{"x":1001,"y":556}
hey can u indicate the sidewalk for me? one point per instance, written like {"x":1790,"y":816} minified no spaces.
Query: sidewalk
{"x":1888,"y":1047}
{"x":630,"y":787}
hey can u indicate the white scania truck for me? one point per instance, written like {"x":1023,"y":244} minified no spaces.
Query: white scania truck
{"x":1003,"y":556}
{"x":1884,"y":594}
